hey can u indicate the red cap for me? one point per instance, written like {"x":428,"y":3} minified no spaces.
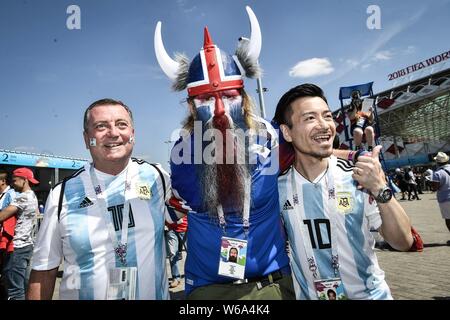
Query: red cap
{"x":25,"y":173}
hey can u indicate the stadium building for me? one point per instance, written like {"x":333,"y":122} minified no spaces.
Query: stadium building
{"x":48,"y":169}
{"x":413,"y":120}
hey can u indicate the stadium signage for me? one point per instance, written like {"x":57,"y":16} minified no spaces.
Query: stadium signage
{"x":34,"y":160}
{"x":420,"y":65}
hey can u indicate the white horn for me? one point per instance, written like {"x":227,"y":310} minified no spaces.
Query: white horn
{"x":167,"y":64}
{"x":255,"y":38}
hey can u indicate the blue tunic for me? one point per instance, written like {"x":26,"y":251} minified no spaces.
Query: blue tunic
{"x":266,"y":237}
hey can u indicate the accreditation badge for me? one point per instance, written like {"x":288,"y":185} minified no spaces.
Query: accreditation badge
{"x":122,"y":283}
{"x":330,"y":289}
{"x":233,"y":255}
{"x":143,"y":191}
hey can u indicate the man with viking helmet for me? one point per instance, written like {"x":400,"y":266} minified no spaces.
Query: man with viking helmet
{"x":230,"y":191}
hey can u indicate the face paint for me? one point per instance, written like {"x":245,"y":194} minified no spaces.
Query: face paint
{"x":234,"y":108}
{"x":231,"y":105}
{"x":205,"y":109}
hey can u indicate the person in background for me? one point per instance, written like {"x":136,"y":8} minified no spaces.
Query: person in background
{"x":175,"y":241}
{"x":25,"y":207}
{"x":410,"y":178}
{"x":440,"y":182}
{"x":362,"y":122}
{"x":7,"y":194}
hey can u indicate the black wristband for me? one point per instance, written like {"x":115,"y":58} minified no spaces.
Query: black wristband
{"x":360,"y":152}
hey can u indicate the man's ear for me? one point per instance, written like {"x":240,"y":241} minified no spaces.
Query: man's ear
{"x":86,"y":139}
{"x":286,"y":132}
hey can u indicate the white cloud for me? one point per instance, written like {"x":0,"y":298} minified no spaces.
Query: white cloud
{"x":383,"y":55}
{"x":409,"y":50}
{"x":365,"y":66}
{"x":189,"y":10}
{"x":389,"y":54}
{"x":311,"y":68}
{"x":183,"y":5}
{"x":352,"y":62}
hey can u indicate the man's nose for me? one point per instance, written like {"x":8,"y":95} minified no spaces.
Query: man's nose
{"x":219,"y":108}
{"x":113,"y":131}
{"x":323,"y":123}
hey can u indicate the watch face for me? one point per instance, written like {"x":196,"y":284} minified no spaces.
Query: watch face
{"x":387,"y":194}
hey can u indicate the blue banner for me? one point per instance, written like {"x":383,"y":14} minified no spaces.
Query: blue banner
{"x":42,"y":161}
{"x":364,"y":89}
{"x":421,"y":159}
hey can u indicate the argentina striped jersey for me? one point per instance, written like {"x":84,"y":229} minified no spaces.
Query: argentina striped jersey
{"x":79,"y":234}
{"x":356,"y":213}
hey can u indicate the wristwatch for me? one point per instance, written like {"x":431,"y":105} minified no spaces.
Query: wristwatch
{"x":384,"y":195}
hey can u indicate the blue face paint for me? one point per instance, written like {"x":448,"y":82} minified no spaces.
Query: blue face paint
{"x":236,"y":113}
{"x":232,"y":106}
{"x":204,"y":113}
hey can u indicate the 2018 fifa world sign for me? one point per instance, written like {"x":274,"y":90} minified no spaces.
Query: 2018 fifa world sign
{"x":420,"y":65}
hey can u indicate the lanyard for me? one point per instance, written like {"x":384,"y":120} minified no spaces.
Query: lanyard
{"x":300,"y":214}
{"x":120,"y":247}
{"x":246,"y":213}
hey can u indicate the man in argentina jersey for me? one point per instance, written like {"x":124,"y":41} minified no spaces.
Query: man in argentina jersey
{"x":318,"y":196}
{"x":75,"y":225}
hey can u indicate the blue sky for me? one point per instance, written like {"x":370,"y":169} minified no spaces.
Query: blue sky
{"x":50,"y":74}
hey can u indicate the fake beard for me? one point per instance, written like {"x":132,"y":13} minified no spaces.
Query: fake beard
{"x":224,"y":183}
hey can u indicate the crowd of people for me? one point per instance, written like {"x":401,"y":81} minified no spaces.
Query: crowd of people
{"x":410,"y":182}
{"x":291,"y":219}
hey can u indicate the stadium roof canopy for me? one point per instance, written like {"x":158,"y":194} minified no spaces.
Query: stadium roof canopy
{"x":417,"y":111}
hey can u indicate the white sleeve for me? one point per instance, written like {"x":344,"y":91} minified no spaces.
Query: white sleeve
{"x":47,"y":252}
{"x":372,"y":212}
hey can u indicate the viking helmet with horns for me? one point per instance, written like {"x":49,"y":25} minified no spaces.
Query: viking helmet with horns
{"x":212,"y":69}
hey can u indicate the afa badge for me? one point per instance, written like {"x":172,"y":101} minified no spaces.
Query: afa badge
{"x":345,"y":202}
{"x":143,"y":191}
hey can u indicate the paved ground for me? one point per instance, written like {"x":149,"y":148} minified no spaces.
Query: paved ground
{"x":421,"y":275}
{"x":410,"y":275}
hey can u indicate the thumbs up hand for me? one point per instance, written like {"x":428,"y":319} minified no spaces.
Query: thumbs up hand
{"x":368,"y":172}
